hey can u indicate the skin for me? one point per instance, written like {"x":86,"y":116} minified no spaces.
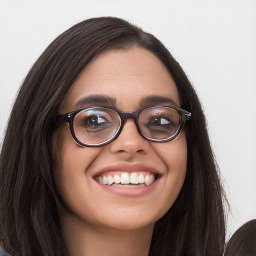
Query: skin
{"x":95,"y":221}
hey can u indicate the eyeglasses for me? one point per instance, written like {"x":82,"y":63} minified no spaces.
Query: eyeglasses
{"x":98,"y":126}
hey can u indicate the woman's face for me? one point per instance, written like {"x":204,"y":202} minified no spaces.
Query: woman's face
{"x":131,"y":79}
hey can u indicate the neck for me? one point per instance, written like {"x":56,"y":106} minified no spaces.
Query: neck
{"x":83,"y":239}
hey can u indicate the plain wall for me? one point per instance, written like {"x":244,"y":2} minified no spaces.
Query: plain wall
{"x":214,"y":41}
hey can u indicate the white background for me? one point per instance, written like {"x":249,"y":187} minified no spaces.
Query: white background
{"x":214,"y":41}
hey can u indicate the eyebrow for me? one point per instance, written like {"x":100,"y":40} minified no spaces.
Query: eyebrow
{"x":95,"y":100}
{"x":108,"y":101}
{"x":158,"y":100}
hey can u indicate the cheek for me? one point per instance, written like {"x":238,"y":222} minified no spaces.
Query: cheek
{"x":174,"y":156}
{"x":68,"y":155}
{"x":70,"y":164}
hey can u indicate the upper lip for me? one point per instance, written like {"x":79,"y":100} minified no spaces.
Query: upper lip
{"x":126,"y":167}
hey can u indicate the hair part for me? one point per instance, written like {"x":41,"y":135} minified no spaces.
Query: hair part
{"x":195,"y":224}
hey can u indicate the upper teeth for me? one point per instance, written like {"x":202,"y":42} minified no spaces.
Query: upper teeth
{"x":126,"y":178}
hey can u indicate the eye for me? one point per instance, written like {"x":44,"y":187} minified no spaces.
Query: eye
{"x":159,"y":120}
{"x":94,"y":122}
{"x":161,"y":125}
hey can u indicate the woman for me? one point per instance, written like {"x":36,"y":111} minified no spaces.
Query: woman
{"x":107,"y":152}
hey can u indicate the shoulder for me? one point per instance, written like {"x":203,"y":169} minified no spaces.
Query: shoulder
{"x":243,"y":241}
{"x":3,"y":252}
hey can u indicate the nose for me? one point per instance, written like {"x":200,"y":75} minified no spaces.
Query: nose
{"x":129,"y":142}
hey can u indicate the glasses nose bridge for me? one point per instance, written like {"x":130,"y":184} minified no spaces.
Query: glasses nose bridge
{"x":127,"y":115}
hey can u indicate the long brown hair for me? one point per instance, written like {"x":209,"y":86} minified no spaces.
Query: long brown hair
{"x":194,"y":225}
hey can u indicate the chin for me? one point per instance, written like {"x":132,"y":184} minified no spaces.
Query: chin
{"x":128,"y":220}
{"x":129,"y":225}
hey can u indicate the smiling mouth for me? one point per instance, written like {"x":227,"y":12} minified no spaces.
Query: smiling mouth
{"x":127,"y":179}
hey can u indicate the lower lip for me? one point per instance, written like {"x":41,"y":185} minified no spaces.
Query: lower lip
{"x":130,"y":192}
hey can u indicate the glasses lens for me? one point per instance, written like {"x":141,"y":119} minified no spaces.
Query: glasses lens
{"x":159,"y":123}
{"x":94,"y":126}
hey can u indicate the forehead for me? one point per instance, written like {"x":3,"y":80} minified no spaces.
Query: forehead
{"x":128,"y":76}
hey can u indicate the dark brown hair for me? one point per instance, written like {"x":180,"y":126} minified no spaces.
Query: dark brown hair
{"x":243,"y":241}
{"x":28,"y":200}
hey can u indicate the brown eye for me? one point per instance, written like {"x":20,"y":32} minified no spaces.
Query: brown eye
{"x":94,"y":122}
{"x":159,"y":120}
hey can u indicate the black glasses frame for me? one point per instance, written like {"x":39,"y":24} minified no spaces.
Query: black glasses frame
{"x":69,"y":117}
